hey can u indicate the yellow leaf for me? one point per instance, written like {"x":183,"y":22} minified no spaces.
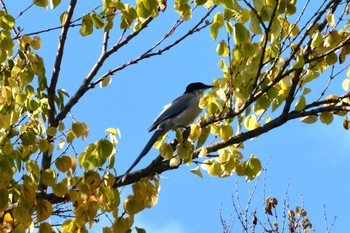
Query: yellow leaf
{"x":133,"y":205}
{"x":8,"y":148}
{"x":331,"y":58}
{"x":22,"y":215}
{"x":3,"y":199}
{"x":60,"y":189}
{"x":251,"y":123}
{"x":326,"y":118}
{"x":253,"y":168}
{"x":225,"y":132}
{"x":330,"y":19}
{"x":70,"y":136}
{"x":48,"y":177}
{"x":240,"y":169}
{"x":203,"y":153}
{"x":197,"y":171}
{"x":63,"y":163}
{"x":345,"y":84}
{"x":214,"y":169}
{"x":51,"y":131}
{"x":45,"y":227}
{"x":300,"y":104}
{"x":222,"y":49}
{"x":122,"y":225}
{"x":195,"y":132}
{"x":43,"y":210}
{"x":175,"y":161}
{"x":309,"y":119}
{"x":43,"y":145}
{"x":106,"y":81}
{"x":166,"y":151}
{"x":77,"y":129}
{"x":316,"y":39}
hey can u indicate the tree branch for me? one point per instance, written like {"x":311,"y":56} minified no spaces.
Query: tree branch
{"x":85,"y":84}
{"x":46,"y":158}
{"x":149,"y":52}
{"x":158,"y":166}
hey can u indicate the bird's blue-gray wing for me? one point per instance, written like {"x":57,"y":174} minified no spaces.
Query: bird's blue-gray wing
{"x":173,"y":109}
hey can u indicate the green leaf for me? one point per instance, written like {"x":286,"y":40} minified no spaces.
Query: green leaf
{"x":316,"y":39}
{"x":97,"y":20}
{"x":166,"y":151}
{"x":222,"y":49}
{"x":54,"y":3}
{"x":105,"y":148}
{"x":240,"y":34}
{"x":43,"y":145}
{"x":250,"y":122}
{"x":231,"y":5}
{"x":200,"y":2}
{"x":43,"y":210}
{"x":253,"y":168}
{"x":225,"y":132}
{"x":41,"y":3}
{"x":7,"y":22}
{"x":22,"y":215}
{"x":86,"y":26}
{"x":140,"y":230}
{"x":326,"y":118}
{"x":63,"y":17}
{"x":77,"y":129}
{"x":51,"y":131}
{"x":203,"y":137}
{"x":36,"y":43}
{"x":218,"y":22}
{"x":48,"y":177}
{"x":4,"y":197}
{"x":128,"y":17}
{"x":106,"y":81}
{"x":300,"y":104}
{"x":299,"y":63}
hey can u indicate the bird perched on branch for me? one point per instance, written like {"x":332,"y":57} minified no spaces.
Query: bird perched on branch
{"x":178,"y":114}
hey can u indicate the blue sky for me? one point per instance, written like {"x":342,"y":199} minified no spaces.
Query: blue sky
{"x":312,"y":160}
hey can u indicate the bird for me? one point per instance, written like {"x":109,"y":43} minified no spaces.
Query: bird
{"x":180,"y":113}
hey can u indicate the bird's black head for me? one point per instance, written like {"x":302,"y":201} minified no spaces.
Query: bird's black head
{"x":192,"y":87}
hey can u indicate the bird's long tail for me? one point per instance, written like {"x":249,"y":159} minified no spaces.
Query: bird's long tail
{"x":152,"y":140}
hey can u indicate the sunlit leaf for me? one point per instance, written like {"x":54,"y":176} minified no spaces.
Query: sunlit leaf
{"x":197,"y":171}
{"x":51,"y":131}
{"x":22,"y":215}
{"x":48,"y":177}
{"x":60,"y":189}
{"x":45,"y":227}
{"x":214,"y":169}
{"x":63,"y":163}
{"x":166,"y":151}
{"x":222,"y":49}
{"x":309,"y":119}
{"x":43,"y":210}
{"x":86,"y":26}
{"x":106,"y":81}
{"x":253,"y":168}
{"x":326,"y":118}
{"x":300,"y":104}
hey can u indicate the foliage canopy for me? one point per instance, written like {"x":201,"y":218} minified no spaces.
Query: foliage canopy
{"x":270,"y":58}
